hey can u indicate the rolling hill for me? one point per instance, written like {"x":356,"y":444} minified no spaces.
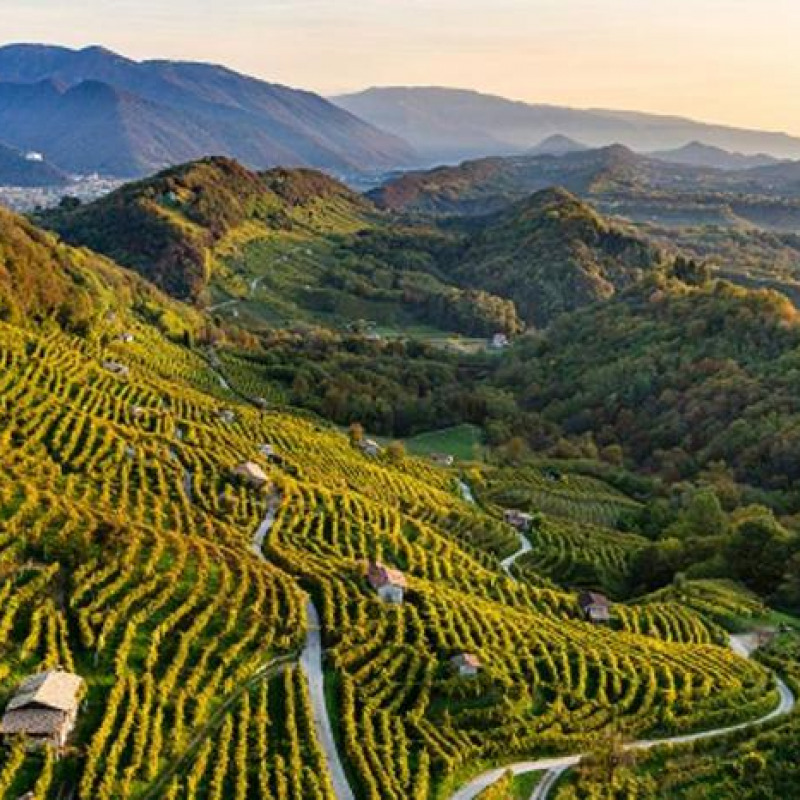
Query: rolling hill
{"x":17,"y":170}
{"x":92,"y":110}
{"x":167,"y":227}
{"x":194,"y":604}
{"x":450,"y":125}
{"x":699,"y":154}
{"x":552,"y":253}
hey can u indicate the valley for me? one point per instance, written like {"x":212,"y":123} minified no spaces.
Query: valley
{"x":305,"y":527}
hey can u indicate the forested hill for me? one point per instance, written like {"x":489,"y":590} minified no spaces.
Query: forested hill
{"x":41,"y":278}
{"x":690,"y":381}
{"x":552,"y":253}
{"x":167,"y":227}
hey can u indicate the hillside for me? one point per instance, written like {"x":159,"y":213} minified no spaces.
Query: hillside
{"x":17,"y":170}
{"x":486,"y":185}
{"x":552,"y":253}
{"x":184,"y":597}
{"x":450,"y":125}
{"x":690,"y":382}
{"x":92,"y":110}
{"x":168,"y":227}
{"x":41,"y":279}
{"x":281,"y":248}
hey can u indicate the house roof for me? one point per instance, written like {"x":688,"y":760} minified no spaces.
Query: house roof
{"x":468,"y":660}
{"x":54,"y":689}
{"x":380,"y":575}
{"x":593,"y":599}
{"x":251,"y":470}
{"x":33,"y":722}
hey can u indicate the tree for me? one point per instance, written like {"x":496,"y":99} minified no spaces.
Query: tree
{"x":758,"y":553}
{"x":356,"y":433}
{"x":703,"y":516}
{"x":396,"y":452}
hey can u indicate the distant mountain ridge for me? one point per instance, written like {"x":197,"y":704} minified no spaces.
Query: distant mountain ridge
{"x":604,"y":175}
{"x":92,"y":110}
{"x":557,"y":145}
{"x":704,"y":155}
{"x":450,"y":125}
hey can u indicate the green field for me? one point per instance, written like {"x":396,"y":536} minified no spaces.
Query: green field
{"x":462,"y":442}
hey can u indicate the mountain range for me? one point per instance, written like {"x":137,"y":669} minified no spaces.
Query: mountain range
{"x":450,"y":125}
{"x":627,"y":183}
{"x":92,"y":110}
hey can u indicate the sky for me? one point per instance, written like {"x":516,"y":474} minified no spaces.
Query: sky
{"x":728,"y":61}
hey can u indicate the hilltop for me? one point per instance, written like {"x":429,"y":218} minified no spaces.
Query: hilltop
{"x":93,"y":110}
{"x":18,"y":170}
{"x":552,"y":253}
{"x":167,"y":227}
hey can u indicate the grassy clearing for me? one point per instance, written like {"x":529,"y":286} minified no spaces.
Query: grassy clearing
{"x":462,"y":442}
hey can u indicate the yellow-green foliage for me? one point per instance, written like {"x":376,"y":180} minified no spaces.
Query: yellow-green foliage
{"x":125,"y":554}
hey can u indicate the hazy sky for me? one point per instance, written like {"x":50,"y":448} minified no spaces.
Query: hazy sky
{"x":732,"y":61}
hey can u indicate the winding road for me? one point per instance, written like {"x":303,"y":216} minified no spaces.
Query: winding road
{"x":311,"y":664}
{"x":555,"y":767}
{"x":743,"y":645}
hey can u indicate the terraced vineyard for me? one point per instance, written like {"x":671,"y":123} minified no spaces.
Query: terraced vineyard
{"x":577,"y":497}
{"x":579,"y":554}
{"x":125,"y":555}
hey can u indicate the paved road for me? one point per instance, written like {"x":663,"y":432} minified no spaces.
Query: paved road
{"x":311,"y":661}
{"x":554,"y":767}
{"x":311,"y":664}
{"x":525,"y":547}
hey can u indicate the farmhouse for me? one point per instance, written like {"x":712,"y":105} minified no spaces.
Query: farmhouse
{"x":251,"y":473}
{"x":227,"y":416}
{"x":467,"y":665}
{"x":369,"y":447}
{"x":499,"y":341}
{"x":518,"y":519}
{"x":127,"y":337}
{"x":116,"y":368}
{"x":390,"y":584}
{"x":595,"y":607}
{"x":442,"y":459}
{"x":44,"y":708}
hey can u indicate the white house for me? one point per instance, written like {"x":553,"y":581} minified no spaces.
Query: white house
{"x":499,"y":341}
{"x":390,"y":584}
{"x":369,"y":447}
{"x":467,"y":665}
{"x":251,"y":473}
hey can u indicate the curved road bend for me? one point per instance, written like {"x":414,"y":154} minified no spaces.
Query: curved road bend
{"x":311,"y":664}
{"x":554,"y":767}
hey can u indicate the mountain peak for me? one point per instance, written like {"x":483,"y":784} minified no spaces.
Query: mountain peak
{"x":557,"y":145}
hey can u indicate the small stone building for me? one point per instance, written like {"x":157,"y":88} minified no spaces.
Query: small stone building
{"x":595,"y":607}
{"x":44,"y":708}
{"x":467,"y":665}
{"x":369,"y":447}
{"x":518,"y":519}
{"x":116,"y":368}
{"x":390,"y":584}
{"x":251,"y":473}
